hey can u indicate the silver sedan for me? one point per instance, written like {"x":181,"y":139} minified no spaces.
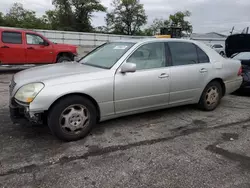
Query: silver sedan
{"x":121,"y":78}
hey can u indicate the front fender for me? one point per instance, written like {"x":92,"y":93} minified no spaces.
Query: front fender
{"x":101,"y":90}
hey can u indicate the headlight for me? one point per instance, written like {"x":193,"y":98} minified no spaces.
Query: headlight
{"x":27,"y":93}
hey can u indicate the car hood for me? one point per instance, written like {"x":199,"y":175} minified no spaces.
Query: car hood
{"x":65,"y":45}
{"x":60,"y":70}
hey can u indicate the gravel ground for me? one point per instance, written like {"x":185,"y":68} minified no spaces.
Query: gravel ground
{"x":172,"y":148}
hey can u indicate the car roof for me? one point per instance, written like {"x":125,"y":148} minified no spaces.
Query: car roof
{"x":15,"y":30}
{"x":143,"y":40}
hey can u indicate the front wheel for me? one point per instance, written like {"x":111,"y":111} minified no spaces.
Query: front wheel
{"x":211,"y":96}
{"x":64,"y":59}
{"x":72,"y":118}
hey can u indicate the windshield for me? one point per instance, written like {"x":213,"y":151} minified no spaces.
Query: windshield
{"x":242,"y":56}
{"x":105,"y":56}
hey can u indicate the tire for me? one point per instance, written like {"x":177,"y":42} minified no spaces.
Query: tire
{"x":64,"y":59}
{"x":222,"y":53}
{"x":67,"y":122}
{"x":209,"y":104}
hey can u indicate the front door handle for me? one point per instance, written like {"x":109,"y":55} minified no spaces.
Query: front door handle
{"x":163,"y":75}
{"x":5,"y":47}
{"x":203,"y":70}
{"x":30,"y":48}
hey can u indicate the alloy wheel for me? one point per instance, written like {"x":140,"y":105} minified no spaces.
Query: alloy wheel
{"x":74,"y":119}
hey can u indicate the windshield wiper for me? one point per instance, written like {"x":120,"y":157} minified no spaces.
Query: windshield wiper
{"x":98,"y":66}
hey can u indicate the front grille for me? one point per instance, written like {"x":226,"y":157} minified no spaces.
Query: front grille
{"x":12,"y":85}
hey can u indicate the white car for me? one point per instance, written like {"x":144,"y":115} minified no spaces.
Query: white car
{"x":219,"y":48}
{"x":121,"y":78}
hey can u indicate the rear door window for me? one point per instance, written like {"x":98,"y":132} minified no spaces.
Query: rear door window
{"x":183,"y":53}
{"x":11,"y":37}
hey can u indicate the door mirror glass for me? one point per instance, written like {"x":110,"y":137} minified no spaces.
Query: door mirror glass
{"x":128,"y":67}
{"x":45,"y":43}
{"x":42,"y":43}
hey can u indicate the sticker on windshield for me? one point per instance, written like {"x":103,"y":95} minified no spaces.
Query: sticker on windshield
{"x":120,"y":47}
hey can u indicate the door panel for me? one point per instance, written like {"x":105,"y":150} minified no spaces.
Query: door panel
{"x":12,"y":49}
{"x":142,"y":89}
{"x":189,"y":72}
{"x":36,"y":51}
{"x":187,"y":82}
{"x":147,"y":87}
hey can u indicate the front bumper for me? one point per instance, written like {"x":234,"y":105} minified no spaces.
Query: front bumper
{"x":76,"y":57}
{"x":17,"y":116}
{"x":21,"y":115}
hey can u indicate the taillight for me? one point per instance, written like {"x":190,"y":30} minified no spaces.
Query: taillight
{"x":240,"y":71}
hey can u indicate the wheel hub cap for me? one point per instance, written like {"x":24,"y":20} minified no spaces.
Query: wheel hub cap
{"x":74,"y":119}
{"x":212,"y":96}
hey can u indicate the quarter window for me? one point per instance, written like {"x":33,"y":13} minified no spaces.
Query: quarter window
{"x":183,"y":53}
{"x":202,"y":56}
{"x":12,"y":37}
{"x":149,"y":56}
{"x":34,"y":39}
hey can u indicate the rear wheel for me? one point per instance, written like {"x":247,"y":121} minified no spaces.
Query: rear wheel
{"x":211,"y":96}
{"x":72,"y":118}
{"x":63,"y":59}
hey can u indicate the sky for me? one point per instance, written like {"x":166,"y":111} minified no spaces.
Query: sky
{"x":207,"y":15}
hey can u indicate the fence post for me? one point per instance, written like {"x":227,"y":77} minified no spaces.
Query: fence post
{"x":63,"y":37}
{"x":79,"y":36}
{"x":94,"y":40}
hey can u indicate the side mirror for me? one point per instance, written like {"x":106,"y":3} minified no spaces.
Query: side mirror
{"x":128,"y":67}
{"x":45,"y":43}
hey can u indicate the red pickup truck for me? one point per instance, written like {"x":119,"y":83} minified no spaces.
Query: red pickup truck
{"x":26,"y":47}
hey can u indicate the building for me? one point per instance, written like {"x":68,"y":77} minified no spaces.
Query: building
{"x":209,"y":38}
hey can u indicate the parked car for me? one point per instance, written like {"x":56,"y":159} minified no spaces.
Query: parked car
{"x":121,"y":78}
{"x":28,"y":47}
{"x":219,"y":48}
{"x":244,"y":57}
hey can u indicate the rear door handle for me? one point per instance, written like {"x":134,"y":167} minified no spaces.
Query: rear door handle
{"x":30,"y":48}
{"x":203,"y":70}
{"x":5,"y":47}
{"x":163,"y":75}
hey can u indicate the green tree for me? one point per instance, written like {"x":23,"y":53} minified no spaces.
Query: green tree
{"x":75,"y":14}
{"x":101,"y":29}
{"x":64,"y":14}
{"x":51,"y":19}
{"x":83,"y":12}
{"x":2,"y":22}
{"x":178,"y":19}
{"x":127,"y":17}
{"x":156,"y":26}
{"x":20,"y":17}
